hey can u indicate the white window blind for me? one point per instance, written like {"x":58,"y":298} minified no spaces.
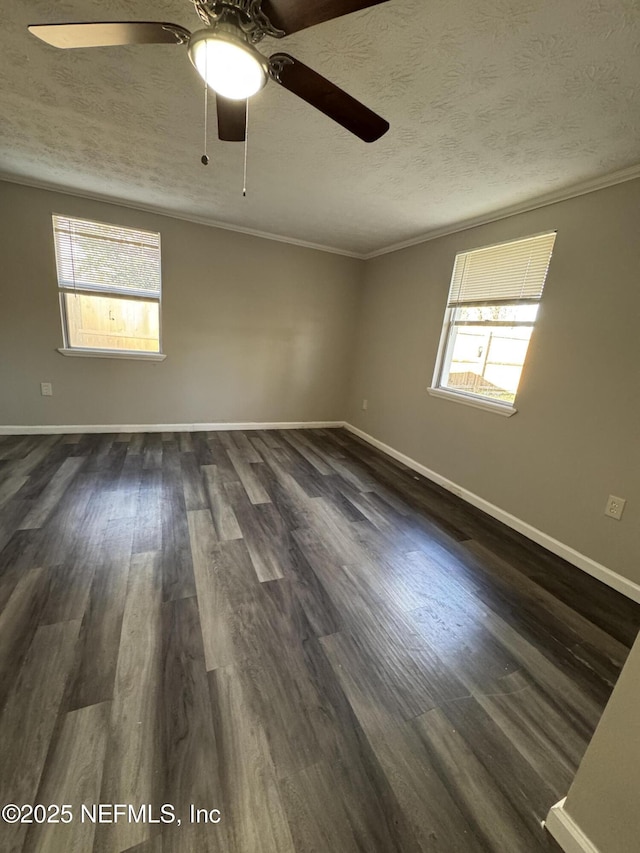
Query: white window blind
{"x":99,"y":257}
{"x":507,"y":273}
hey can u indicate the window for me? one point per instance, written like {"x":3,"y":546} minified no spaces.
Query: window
{"x":492,"y":308}
{"x":109,"y":285}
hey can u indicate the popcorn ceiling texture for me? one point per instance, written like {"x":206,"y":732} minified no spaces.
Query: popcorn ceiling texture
{"x":492,"y":103}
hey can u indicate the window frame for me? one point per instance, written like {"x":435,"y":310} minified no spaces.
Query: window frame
{"x":447,"y":339}
{"x":67,"y":349}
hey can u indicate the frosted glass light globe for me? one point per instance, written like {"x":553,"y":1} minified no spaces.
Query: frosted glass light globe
{"x":230,"y":66}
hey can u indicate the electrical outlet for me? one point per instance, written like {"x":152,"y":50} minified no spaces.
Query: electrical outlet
{"x":365,"y":405}
{"x":614,"y":507}
{"x":46,"y":389}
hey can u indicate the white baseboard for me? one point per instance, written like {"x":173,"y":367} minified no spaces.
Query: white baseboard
{"x":597,"y":570}
{"x":67,"y":429}
{"x":567,"y":832}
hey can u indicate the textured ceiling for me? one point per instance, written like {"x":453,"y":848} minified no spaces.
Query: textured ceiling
{"x":492,"y":103}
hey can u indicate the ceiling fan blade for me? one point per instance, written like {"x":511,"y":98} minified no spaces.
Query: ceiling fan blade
{"x":109,"y":34}
{"x":232,"y":119}
{"x":294,"y":15}
{"x":327,"y":97}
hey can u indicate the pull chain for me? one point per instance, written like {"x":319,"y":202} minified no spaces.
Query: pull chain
{"x":205,"y":159}
{"x":246,"y":145}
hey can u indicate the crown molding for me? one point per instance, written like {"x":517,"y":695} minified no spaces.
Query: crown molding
{"x":161,"y":211}
{"x":575,"y":190}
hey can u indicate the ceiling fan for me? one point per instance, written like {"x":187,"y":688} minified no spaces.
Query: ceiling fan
{"x":225,"y":55}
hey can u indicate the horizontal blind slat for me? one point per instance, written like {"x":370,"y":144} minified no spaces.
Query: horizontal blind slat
{"x":508,"y":271}
{"x":103,"y":257}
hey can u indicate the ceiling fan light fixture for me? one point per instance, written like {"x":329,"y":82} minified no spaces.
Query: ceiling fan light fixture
{"x":227,"y":63}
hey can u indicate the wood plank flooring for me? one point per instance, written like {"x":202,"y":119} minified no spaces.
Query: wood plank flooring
{"x":293,"y":629}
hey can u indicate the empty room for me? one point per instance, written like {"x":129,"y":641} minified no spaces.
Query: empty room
{"x":319,"y":426}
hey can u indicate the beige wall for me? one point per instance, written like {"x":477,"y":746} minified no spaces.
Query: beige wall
{"x":257,"y":330}
{"x":254,"y":330}
{"x":576,"y":436}
{"x":603,"y":799}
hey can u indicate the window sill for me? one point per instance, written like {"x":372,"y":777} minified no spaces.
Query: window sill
{"x":488,"y":405}
{"x":100,"y":353}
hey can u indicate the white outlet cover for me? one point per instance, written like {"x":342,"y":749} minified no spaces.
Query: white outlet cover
{"x":46,"y":389}
{"x":615,"y":507}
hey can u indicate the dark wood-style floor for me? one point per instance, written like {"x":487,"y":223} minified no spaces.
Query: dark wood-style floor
{"x":293,"y":629}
